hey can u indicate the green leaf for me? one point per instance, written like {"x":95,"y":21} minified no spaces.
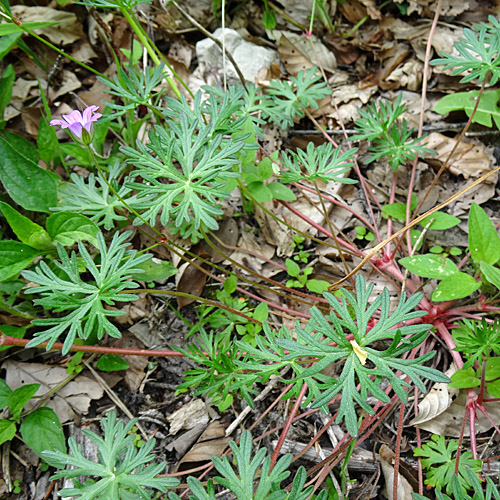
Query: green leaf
{"x":123,"y":471}
{"x":14,"y":257}
{"x":7,"y":43}
{"x":81,"y":154}
{"x":6,"y":84}
{"x":456,"y":286}
{"x":492,"y":274}
{"x":261,"y":312}
{"x":46,"y":141}
{"x":26,"y":230}
{"x":17,"y":399}
{"x":12,"y":331}
{"x":292,"y":267}
{"x":155,"y":270}
{"x":7,"y":429}
{"x":260,"y":191}
{"x":465,"y":379}
{"x":281,"y":192}
{"x":484,"y":242}
{"x":438,"y":459}
{"x":441,"y":221}
{"x":82,"y":288}
{"x":112,"y":363}
{"x":5,"y":392}
{"x":317,"y":286}
{"x":429,"y":266}
{"x":486,"y":110}
{"x":19,"y":169}
{"x":398,"y":210}
{"x":67,"y":228}
{"x":10,"y":28}
{"x":41,"y":430}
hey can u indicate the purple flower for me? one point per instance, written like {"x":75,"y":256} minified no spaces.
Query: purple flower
{"x":79,"y":126}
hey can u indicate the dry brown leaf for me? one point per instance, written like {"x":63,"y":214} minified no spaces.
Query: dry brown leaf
{"x":404,"y":487}
{"x":437,"y":401}
{"x":190,"y":280}
{"x":212,"y":442}
{"x":68,"y":29}
{"x":188,"y":416}
{"x":449,"y":423}
{"x":226,"y":236}
{"x":69,"y":402}
{"x":299,"y":53}
{"x":468,"y":160}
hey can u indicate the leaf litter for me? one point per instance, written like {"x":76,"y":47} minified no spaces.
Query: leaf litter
{"x":389,"y":58}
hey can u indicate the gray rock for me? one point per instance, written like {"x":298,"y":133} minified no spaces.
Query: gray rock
{"x":249,"y":57}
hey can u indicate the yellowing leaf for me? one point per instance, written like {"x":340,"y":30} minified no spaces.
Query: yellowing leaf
{"x":359,"y":351}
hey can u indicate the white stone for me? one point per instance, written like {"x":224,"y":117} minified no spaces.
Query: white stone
{"x":249,"y":57}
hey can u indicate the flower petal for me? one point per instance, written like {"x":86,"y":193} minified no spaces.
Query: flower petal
{"x":87,"y":114}
{"x":76,"y":129}
{"x":58,"y":121}
{"x":74,"y":117}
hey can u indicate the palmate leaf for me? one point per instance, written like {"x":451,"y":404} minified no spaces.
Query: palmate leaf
{"x":123,"y":471}
{"x":324,"y":341}
{"x":291,"y":96}
{"x":93,"y":197}
{"x":252,"y":478}
{"x":192,"y":192}
{"x":479,"y":53}
{"x":321,"y":162}
{"x":64,"y":290}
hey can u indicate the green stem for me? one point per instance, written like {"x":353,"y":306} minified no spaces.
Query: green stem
{"x":145,"y":42}
{"x":53,"y":47}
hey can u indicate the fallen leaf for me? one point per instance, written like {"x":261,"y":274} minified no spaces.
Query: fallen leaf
{"x":212,"y":442}
{"x":188,"y":416}
{"x":190,"y":280}
{"x":67,"y":31}
{"x":404,"y":487}
{"x":69,"y":402}
{"x":436,"y":401}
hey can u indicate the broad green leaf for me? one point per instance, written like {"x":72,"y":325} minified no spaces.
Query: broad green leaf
{"x":317,"y":286}
{"x":7,"y":430}
{"x":265,"y":169}
{"x":487,"y":108}
{"x":17,"y":399}
{"x":26,"y":230}
{"x":10,"y":28}
{"x":398,"y":210}
{"x":260,"y":191}
{"x":112,"y":363}
{"x":78,"y":152}
{"x":5,"y":392}
{"x":441,"y":221}
{"x":281,"y":192}
{"x":7,"y":43}
{"x":26,"y":183}
{"x":48,"y":145}
{"x":11,"y":331}
{"x":42,"y":431}
{"x":491,"y":273}
{"x":484,"y":242}
{"x":6,"y":84}
{"x":155,"y":270}
{"x":492,"y":369}
{"x":464,"y":379}
{"x":261,"y":312}
{"x":456,"y":286}
{"x":292,"y":268}
{"x":429,"y":266}
{"x":14,"y":257}
{"x":67,"y":228}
